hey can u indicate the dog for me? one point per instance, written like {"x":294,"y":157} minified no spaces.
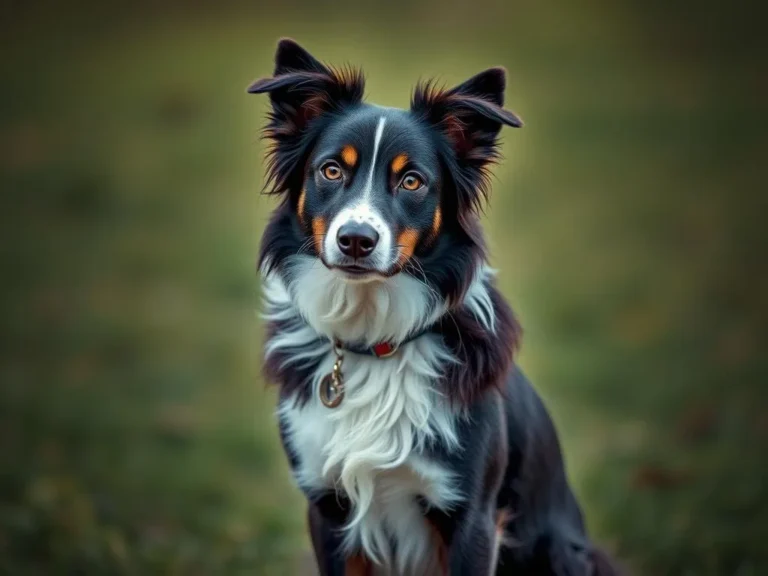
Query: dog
{"x":419,"y":444}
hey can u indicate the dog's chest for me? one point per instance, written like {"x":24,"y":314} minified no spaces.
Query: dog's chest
{"x":313,"y":438}
{"x":371,"y":447}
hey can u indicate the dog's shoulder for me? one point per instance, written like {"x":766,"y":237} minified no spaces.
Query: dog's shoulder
{"x":483,"y":336}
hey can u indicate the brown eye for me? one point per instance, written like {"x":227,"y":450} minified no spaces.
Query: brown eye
{"x":331,"y":171}
{"x":411,"y":182}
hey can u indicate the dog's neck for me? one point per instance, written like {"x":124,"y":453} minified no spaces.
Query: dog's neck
{"x":307,"y":306}
{"x":370,"y":447}
{"x":386,"y":310}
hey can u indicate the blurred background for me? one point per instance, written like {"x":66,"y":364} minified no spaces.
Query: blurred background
{"x":627,"y":220}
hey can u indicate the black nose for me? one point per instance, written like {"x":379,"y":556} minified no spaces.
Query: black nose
{"x":357,"y":240}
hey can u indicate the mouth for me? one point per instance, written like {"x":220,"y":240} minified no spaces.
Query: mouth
{"x":356,"y":271}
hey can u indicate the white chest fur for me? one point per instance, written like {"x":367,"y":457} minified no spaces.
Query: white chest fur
{"x":370,"y":447}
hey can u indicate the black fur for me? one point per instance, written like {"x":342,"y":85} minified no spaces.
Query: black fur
{"x":510,"y":467}
{"x":469,"y":117}
{"x":303,"y":92}
{"x":484,"y":359}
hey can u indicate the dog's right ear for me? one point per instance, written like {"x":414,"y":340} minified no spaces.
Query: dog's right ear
{"x":301,"y":90}
{"x":303,"y":87}
{"x":292,"y":57}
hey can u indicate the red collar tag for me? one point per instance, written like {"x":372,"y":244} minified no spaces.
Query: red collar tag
{"x":383,"y":349}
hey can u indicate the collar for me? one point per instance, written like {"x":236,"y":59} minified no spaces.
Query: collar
{"x":380,"y":349}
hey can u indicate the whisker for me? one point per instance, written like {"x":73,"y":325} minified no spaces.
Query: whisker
{"x":308,"y":242}
{"x":417,"y":267}
{"x":304,"y":245}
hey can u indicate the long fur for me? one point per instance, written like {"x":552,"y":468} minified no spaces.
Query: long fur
{"x":393,"y":407}
{"x":427,"y":447}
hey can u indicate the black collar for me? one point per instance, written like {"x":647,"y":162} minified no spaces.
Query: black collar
{"x":380,"y":349}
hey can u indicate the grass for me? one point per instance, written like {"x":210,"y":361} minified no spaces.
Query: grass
{"x":136,"y":435}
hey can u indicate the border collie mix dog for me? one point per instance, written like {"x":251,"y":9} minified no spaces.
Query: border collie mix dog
{"x":419,"y":445}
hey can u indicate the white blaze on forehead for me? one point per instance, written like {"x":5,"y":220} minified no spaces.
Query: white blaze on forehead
{"x":362,"y":211}
{"x":376,"y":143}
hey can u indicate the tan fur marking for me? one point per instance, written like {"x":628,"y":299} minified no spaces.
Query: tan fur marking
{"x":318,"y":230}
{"x":399,"y":162}
{"x":437,"y":221}
{"x":406,"y":241}
{"x":440,"y":547}
{"x":503,"y":516}
{"x":349,"y":155}
{"x":300,"y":205}
{"x":357,"y":566}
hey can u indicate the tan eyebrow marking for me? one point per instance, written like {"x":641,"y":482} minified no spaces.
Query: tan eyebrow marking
{"x":300,"y":205}
{"x":318,"y":231}
{"x":349,"y":155}
{"x":399,"y":162}
{"x":406,"y":241}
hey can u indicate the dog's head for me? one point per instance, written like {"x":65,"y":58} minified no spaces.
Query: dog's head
{"x":376,"y":192}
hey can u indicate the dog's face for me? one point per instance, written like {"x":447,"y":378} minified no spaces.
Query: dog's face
{"x":374,"y":192}
{"x":371,"y":192}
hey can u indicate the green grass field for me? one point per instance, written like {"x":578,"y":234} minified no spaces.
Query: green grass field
{"x":136,"y":434}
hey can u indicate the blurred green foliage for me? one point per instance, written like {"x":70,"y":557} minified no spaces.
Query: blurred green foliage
{"x":136,"y":436}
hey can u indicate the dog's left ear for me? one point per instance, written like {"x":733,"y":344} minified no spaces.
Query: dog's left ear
{"x":301,"y":90}
{"x":470,"y":117}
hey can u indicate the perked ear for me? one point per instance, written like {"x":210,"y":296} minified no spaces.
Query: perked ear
{"x":301,"y":90}
{"x":470,"y":116}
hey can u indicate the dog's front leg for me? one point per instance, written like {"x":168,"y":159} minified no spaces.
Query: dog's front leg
{"x":474,"y":549}
{"x":327,"y":514}
{"x":474,"y":540}
{"x":325,"y":542}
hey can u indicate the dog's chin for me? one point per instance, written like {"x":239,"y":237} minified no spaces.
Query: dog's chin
{"x":355,"y":278}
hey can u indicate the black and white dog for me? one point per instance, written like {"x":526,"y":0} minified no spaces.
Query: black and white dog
{"x":420,"y":446}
